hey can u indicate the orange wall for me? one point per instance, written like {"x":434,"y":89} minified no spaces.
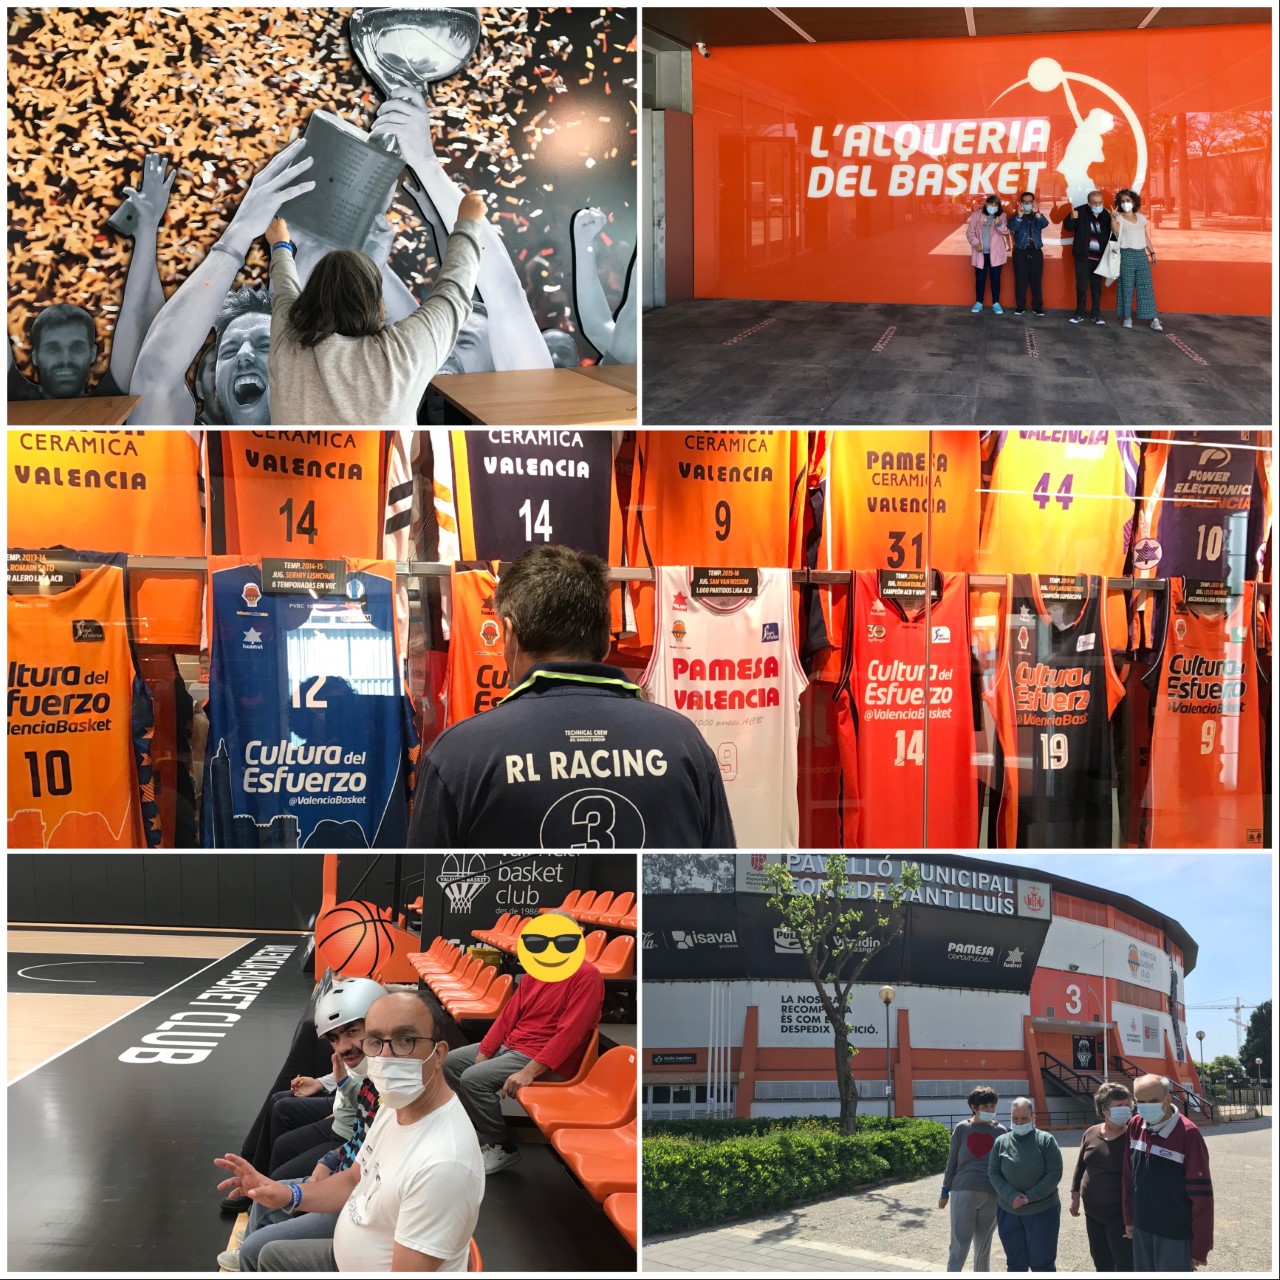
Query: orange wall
{"x":759,"y":233}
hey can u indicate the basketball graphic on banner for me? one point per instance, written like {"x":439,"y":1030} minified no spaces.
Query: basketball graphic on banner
{"x":354,"y":939}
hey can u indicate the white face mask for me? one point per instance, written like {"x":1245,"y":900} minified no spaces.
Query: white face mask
{"x":985,"y":1117}
{"x":1127,"y":206}
{"x":993,"y":208}
{"x":399,"y":1080}
{"x":1095,"y":206}
{"x":1026,"y":206}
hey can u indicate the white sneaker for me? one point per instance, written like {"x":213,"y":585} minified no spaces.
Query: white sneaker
{"x":1128,"y":322}
{"x":496,"y":1159}
{"x":1157,"y":326}
{"x":229,"y":1260}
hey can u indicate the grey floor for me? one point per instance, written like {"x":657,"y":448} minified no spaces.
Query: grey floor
{"x":749,"y":363}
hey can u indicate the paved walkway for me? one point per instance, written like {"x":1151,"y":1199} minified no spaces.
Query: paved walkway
{"x":898,"y":1228}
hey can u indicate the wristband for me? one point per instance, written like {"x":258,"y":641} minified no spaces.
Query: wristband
{"x":295,"y":1199}
{"x":285,"y":244}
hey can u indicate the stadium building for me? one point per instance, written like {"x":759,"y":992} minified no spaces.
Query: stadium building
{"x":1001,"y":975}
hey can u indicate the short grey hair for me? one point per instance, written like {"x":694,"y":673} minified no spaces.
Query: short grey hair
{"x":1164,"y":1083}
{"x":1022,"y":1102}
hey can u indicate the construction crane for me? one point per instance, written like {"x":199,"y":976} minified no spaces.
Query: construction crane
{"x":1238,"y":1009}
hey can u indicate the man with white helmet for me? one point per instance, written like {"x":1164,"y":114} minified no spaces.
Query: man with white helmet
{"x":332,"y":1015}
{"x":314,"y":1115}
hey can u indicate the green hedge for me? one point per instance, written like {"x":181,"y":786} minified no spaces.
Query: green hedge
{"x":710,"y":1170}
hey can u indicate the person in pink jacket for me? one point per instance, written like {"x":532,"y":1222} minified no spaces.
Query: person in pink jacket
{"x":988,"y":234}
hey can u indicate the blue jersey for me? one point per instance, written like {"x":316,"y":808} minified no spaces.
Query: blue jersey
{"x":311,"y":738}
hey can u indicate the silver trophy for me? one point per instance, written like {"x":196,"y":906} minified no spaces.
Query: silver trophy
{"x":412,"y":48}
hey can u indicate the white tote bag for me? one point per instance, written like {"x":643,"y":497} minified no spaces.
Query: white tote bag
{"x":1109,"y":264}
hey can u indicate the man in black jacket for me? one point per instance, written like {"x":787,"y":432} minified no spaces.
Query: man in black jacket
{"x":1092,"y":226}
{"x":573,"y":757}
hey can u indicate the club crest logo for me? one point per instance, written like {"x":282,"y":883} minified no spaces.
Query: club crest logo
{"x":251,"y":594}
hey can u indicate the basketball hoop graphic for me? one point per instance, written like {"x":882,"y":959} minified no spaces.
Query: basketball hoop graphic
{"x":1045,"y":75}
{"x":462,"y":879}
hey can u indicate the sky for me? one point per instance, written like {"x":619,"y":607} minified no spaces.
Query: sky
{"x":1223,"y":900}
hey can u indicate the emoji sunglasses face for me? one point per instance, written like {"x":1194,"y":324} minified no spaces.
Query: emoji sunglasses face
{"x":551,"y":948}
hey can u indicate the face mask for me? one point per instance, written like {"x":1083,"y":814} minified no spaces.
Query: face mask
{"x":1026,"y":206}
{"x":1127,"y":206}
{"x":399,"y":1080}
{"x":1151,"y":1112}
{"x":1095,"y":206}
{"x":1023,"y":1129}
{"x":1121,"y":1115}
{"x":993,"y":208}
{"x":985,"y":1117}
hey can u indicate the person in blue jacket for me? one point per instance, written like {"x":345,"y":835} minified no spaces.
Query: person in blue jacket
{"x":1027,"y":226}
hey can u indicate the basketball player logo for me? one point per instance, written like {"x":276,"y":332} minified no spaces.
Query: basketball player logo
{"x":1085,"y":147}
{"x":462,"y":877}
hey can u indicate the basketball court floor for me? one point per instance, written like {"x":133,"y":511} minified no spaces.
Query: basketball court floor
{"x":116,"y":1111}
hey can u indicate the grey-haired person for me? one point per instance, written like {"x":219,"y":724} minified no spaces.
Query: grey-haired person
{"x":1098,"y":1185}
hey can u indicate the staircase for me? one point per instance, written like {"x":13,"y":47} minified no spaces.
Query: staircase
{"x":1072,"y":1091}
{"x":1192,"y":1105}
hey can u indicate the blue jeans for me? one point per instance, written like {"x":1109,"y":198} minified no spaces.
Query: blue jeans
{"x":1030,"y":1240}
{"x":266,"y":1225}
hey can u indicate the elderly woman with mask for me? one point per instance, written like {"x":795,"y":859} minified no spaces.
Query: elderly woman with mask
{"x":1099,"y":1178}
{"x":988,"y":236}
{"x":1025,"y":1167}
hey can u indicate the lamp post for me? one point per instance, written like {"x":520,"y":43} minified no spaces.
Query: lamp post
{"x":886,"y":995}
{"x":1257,"y":1067}
{"x":1200,"y":1037}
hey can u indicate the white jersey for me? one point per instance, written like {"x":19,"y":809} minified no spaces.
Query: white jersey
{"x":730,"y":666}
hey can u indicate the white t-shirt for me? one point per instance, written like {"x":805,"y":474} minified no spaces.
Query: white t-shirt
{"x":1133,"y":235}
{"x":420,"y":1185}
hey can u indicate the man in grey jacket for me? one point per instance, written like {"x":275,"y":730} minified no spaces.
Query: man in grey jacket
{"x":966,"y":1186}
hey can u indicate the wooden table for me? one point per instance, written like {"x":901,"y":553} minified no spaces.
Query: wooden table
{"x":538,"y":397}
{"x":622,"y":376}
{"x":81,"y":411}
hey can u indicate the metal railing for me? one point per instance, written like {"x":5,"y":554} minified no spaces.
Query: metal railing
{"x":1084,"y":1084}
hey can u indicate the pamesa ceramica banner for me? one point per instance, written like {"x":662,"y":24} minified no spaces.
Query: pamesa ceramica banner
{"x":847,"y":172}
{"x":728,"y":936}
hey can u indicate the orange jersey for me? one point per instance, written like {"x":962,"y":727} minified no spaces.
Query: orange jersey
{"x":329,"y":494}
{"x":476,"y":674}
{"x":1204,"y":784}
{"x":79,"y":720}
{"x":898,"y":671}
{"x":131,"y":491}
{"x":890,"y":500}
{"x":718,"y":499}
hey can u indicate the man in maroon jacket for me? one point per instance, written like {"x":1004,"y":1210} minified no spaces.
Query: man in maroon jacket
{"x":1167,"y":1196}
{"x":542,"y":1030}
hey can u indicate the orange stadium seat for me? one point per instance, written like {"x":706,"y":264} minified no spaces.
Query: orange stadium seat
{"x":604,"y":1100}
{"x":487,"y":1006}
{"x":618,"y":959}
{"x":507,"y":941}
{"x":506,"y":921}
{"x":474,"y":1261}
{"x":595,"y":945}
{"x":468,"y":995}
{"x":628,"y":922}
{"x":621,"y":1210}
{"x":591,"y":915}
{"x":464,"y":980}
{"x":603,"y":1160}
{"x":617,"y":910}
{"x":589,"y":1056}
{"x":567,"y":906}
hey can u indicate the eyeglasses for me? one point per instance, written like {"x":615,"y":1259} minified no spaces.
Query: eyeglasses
{"x":401,"y":1046}
{"x":566,"y":943}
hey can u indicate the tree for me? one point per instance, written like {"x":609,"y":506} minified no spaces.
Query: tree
{"x":1223,"y":1068}
{"x":837,"y":947}
{"x":1257,"y":1042}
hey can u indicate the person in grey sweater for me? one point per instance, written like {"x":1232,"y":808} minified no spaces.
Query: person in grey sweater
{"x":334,"y":360}
{"x":966,"y":1186}
{"x":1025,"y":1167}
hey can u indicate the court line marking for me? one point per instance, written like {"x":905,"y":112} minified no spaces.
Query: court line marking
{"x":885,"y":338}
{"x":123,"y":1016}
{"x":67,"y":964}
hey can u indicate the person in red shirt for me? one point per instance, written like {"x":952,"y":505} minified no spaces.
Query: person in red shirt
{"x":542,"y":1030}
